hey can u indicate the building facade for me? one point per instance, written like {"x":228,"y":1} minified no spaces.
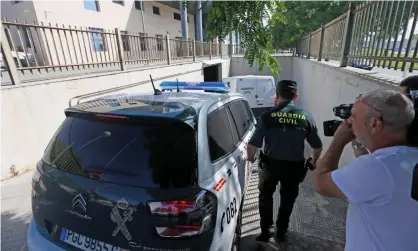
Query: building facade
{"x":150,"y":17}
{"x":84,"y":31}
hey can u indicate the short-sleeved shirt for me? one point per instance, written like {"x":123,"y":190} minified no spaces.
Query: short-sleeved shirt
{"x":381,"y":214}
{"x":284,"y":133}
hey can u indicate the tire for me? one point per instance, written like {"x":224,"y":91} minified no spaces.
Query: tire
{"x":236,"y":242}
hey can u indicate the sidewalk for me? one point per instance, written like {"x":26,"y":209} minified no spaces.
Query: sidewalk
{"x":15,"y":212}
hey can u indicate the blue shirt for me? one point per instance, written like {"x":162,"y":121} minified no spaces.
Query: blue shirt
{"x":381,"y":214}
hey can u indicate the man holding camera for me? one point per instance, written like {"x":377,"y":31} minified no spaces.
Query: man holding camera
{"x":381,"y":214}
{"x":283,"y":130}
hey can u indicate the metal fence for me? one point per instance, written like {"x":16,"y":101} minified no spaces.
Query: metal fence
{"x":39,"y":46}
{"x":371,"y":34}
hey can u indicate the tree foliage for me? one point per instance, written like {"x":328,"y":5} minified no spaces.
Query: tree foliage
{"x":288,"y":21}
{"x":246,"y":17}
{"x":304,"y":17}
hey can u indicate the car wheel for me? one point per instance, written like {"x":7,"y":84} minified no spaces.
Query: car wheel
{"x":237,"y":235}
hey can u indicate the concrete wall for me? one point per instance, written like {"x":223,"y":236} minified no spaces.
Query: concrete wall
{"x":322,"y":86}
{"x":240,"y":66}
{"x":31,"y":113}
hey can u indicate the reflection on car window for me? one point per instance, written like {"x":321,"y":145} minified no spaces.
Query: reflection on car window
{"x":154,"y":155}
{"x":221,"y":141}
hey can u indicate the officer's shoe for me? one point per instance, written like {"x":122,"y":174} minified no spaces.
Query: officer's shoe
{"x":265,"y":235}
{"x":281,"y":237}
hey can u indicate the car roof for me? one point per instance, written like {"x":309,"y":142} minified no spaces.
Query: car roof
{"x":183,"y":106}
{"x":251,"y":77}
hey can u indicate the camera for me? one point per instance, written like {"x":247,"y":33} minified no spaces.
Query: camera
{"x":342,"y":111}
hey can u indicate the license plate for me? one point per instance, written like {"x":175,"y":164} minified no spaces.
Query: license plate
{"x":84,"y":242}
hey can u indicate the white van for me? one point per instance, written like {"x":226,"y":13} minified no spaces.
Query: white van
{"x":258,"y":90}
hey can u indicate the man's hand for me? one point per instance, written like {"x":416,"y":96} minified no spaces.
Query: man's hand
{"x":249,"y":155}
{"x":344,"y":134}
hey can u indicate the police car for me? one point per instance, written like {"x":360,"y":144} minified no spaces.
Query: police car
{"x":156,"y":171}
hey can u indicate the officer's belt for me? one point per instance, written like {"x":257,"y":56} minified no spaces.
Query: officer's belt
{"x":267,"y":160}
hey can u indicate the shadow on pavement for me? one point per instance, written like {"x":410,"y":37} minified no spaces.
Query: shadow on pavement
{"x":317,"y":223}
{"x":13,"y":231}
{"x":296,"y":242}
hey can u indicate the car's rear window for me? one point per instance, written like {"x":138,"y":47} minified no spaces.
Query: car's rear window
{"x":148,"y":155}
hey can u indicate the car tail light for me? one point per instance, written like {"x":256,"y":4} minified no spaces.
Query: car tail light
{"x":188,"y":217}
{"x":110,"y":116}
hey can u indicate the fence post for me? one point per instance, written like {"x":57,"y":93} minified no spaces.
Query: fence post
{"x":321,"y":43}
{"x":120,"y":50}
{"x":348,"y":33}
{"x":210,"y":50}
{"x":7,"y":56}
{"x":220,"y":49}
{"x":194,"y":50}
{"x":167,"y":45}
{"x":309,"y":46}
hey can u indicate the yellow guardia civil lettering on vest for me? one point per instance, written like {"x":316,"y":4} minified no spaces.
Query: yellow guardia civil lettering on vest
{"x":288,"y":118}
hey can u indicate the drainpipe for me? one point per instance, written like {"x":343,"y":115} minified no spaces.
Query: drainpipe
{"x":142,"y":14}
{"x":184,"y":28}
{"x":199,"y":30}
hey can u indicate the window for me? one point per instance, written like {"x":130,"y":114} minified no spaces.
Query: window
{"x":142,"y":41}
{"x":159,"y":42}
{"x":125,"y":40}
{"x":242,"y":117}
{"x":119,"y":2}
{"x":8,"y":38}
{"x":91,"y":5}
{"x":155,"y":10}
{"x":177,"y":16}
{"x":138,"y":5}
{"x":26,"y":32}
{"x":178,"y":38}
{"x":136,"y":154}
{"x":99,"y":44}
{"x":220,"y":135}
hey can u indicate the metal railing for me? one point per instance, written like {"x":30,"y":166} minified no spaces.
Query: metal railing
{"x":39,"y":46}
{"x":371,"y":34}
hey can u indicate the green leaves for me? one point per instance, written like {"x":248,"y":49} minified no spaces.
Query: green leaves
{"x":246,"y":17}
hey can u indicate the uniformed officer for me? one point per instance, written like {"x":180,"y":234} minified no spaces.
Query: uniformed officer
{"x":283,"y":130}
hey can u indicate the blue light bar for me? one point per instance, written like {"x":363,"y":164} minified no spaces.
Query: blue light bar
{"x":206,"y":86}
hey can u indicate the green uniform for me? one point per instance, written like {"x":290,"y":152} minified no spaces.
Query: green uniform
{"x":283,"y":134}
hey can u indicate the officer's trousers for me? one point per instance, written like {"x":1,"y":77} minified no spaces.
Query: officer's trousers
{"x":290,"y":174}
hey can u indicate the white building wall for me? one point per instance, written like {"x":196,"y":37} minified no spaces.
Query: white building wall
{"x":71,"y":47}
{"x":110,"y":16}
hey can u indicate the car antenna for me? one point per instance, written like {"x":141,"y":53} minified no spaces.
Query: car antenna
{"x":178,"y":89}
{"x":156,"y":91}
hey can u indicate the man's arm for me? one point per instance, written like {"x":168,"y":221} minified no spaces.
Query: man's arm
{"x":316,"y":153}
{"x":256,"y":140}
{"x":322,"y":181}
{"x":314,"y":141}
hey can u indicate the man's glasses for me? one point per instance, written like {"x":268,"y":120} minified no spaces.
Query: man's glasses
{"x":358,"y":99}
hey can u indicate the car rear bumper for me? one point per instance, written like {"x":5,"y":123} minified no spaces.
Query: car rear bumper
{"x":38,"y":242}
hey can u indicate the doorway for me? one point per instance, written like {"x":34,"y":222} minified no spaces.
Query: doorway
{"x":212,"y":73}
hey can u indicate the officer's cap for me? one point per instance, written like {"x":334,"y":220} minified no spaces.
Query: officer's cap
{"x":286,"y":85}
